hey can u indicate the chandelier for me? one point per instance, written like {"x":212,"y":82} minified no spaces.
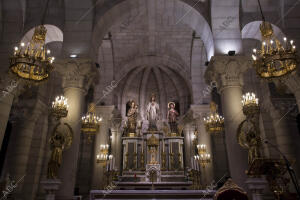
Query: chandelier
{"x":59,"y":107}
{"x":90,"y":122}
{"x":275,"y":59}
{"x":214,"y":123}
{"x":102,"y":156}
{"x":31,"y":61}
{"x":250,"y":104}
{"x":203,"y":157}
{"x":201,"y":148}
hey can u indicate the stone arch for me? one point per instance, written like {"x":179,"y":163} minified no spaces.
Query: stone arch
{"x":251,"y":31}
{"x":54,"y":34}
{"x":114,"y":13}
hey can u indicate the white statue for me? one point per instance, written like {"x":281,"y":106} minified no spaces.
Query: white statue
{"x":152,"y":113}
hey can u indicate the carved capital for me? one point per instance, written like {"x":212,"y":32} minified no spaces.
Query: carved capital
{"x":227,"y":71}
{"x":77,"y":72}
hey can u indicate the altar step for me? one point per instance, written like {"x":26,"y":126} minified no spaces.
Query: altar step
{"x":151,"y":194}
{"x":155,"y":186}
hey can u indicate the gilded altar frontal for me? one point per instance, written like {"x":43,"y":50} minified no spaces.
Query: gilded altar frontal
{"x":149,"y":99}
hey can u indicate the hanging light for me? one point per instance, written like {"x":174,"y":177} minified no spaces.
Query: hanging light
{"x":59,"y":107}
{"x":203,"y":158}
{"x":32,"y":62}
{"x":201,"y":148}
{"x":275,"y":59}
{"x":90,"y":122}
{"x":103,"y":156}
{"x":250,"y":104}
{"x":214,"y":123}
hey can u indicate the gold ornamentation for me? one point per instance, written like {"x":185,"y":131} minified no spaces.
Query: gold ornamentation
{"x":248,"y":133}
{"x":59,"y":141}
{"x":90,"y":122}
{"x":142,"y":162}
{"x":59,"y":107}
{"x":214,"y":123}
{"x":163,"y":162}
{"x":102,"y":156}
{"x":229,"y":185}
{"x":30,"y":61}
{"x":274,"y":60}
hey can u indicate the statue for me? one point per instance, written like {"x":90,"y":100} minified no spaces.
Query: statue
{"x":152,"y":113}
{"x":172,"y":117}
{"x":132,"y":118}
{"x":248,"y":136}
{"x":58,"y":142}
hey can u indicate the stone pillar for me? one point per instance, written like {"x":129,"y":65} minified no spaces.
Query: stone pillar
{"x":293,"y":83}
{"x":78,"y":75}
{"x":257,"y":187}
{"x":18,"y":158}
{"x":101,"y":138}
{"x":227,"y":71}
{"x":201,"y":111}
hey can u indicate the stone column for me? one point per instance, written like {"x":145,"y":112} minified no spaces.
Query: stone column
{"x":78,"y":75}
{"x":101,"y":138}
{"x":227,"y":71}
{"x":293,"y":83}
{"x":9,"y":88}
{"x":204,"y":138}
{"x":18,"y":158}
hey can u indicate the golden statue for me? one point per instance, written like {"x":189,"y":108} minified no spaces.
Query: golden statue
{"x":59,"y":141}
{"x":132,"y":118}
{"x":248,"y":136}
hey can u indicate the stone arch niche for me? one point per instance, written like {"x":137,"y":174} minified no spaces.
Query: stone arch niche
{"x":166,"y":83}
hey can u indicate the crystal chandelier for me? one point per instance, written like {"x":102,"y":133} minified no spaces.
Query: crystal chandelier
{"x":214,"y":123}
{"x":90,"y":122}
{"x":59,"y":107}
{"x":250,"y":104}
{"x":31,"y":61}
{"x":102,"y":156}
{"x":275,"y":59}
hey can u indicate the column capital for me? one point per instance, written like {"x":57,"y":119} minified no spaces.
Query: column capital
{"x":77,"y":72}
{"x":227,"y":71}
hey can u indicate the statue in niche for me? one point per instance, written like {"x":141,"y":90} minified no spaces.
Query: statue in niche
{"x":59,"y":141}
{"x":172,"y":118}
{"x":248,"y":136}
{"x":152,"y":113}
{"x":132,"y":115}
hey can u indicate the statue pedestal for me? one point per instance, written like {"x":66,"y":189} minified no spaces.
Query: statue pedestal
{"x":153,"y":172}
{"x":257,"y":187}
{"x":51,"y":186}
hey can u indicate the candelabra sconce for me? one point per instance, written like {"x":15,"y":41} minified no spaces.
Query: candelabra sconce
{"x":201,"y":148}
{"x":142,"y":161}
{"x":90,"y":122}
{"x":172,"y":161}
{"x":163,"y":161}
{"x":102,"y":156}
{"x":139,"y":127}
{"x":214,"y":123}
{"x":59,"y":108}
{"x":203,"y":159}
{"x":179,"y":161}
{"x":250,"y":104}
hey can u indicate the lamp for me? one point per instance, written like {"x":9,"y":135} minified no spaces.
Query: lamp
{"x":59,"y":107}
{"x":214,"y":123}
{"x":275,"y":59}
{"x":90,"y":122}
{"x":250,"y":104}
{"x":31,"y":62}
{"x":103,"y":156}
